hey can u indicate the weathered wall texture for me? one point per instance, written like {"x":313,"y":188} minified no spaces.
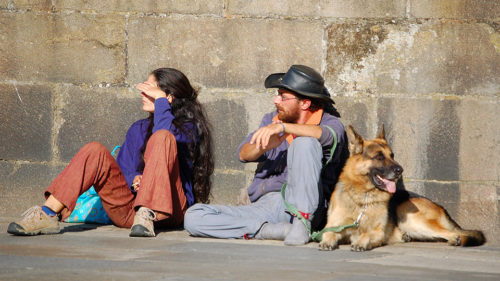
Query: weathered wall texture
{"x":428,"y":70}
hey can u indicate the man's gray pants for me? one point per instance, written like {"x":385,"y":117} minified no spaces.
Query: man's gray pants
{"x":304,"y":169}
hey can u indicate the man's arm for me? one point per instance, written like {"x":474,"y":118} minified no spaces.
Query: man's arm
{"x":270,"y":136}
{"x":249,"y":152}
{"x":263,"y":136}
{"x":302,"y":130}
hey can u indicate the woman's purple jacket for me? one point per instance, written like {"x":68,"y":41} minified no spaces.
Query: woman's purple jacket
{"x":129,"y":156}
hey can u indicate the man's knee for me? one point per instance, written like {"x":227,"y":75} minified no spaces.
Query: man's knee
{"x":192,"y":218}
{"x":306,"y":144}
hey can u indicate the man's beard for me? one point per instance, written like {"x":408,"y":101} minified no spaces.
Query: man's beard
{"x":287,"y":117}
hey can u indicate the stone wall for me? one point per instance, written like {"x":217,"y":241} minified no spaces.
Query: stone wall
{"x":428,"y":70}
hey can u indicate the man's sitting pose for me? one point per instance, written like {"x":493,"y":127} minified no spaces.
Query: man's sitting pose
{"x":292,"y":145}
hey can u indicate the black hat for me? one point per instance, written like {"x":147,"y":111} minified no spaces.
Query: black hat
{"x":302,"y":80}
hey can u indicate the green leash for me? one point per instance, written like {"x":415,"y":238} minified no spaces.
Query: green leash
{"x":316,"y":235}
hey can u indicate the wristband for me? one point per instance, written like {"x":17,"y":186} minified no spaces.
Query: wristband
{"x":282,"y":126}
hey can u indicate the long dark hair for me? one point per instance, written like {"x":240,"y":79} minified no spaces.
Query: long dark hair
{"x":187,"y":109}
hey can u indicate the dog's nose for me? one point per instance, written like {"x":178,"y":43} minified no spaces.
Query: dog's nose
{"x":398,"y":170}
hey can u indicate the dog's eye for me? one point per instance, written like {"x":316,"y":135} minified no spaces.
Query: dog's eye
{"x":379,"y":157}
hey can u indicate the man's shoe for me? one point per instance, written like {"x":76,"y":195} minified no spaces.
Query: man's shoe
{"x":143,"y":223}
{"x":274,"y":231}
{"x":35,"y":222}
{"x":298,"y":235}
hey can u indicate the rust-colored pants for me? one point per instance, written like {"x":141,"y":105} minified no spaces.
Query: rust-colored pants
{"x":160,"y":189}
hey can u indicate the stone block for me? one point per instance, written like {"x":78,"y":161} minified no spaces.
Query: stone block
{"x":479,"y":139}
{"x":363,"y":8}
{"x":20,"y":175}
{"x":71,"y":48}
{"x":36,"y":5}
{"x":226,"y":187}
{"x":233,"y":116}
{"x":94,"y":114}
{"x":456,"y":58}
{"x":257,"y":104}
{"x":13,"y":202}
{"x":455,"y":9}
{"x":479,"y":209}
{"x":26,"y":122}
{"x":357,"y":112}
{"x":445,"y":194}
{"x":229,"y":53}
{"x":417,"y":187}
{"x":44,"y":5}
{"x":287,"y":8}
{"x":213,"y":7}
{"x":443,"y":151}
{"x":424,"y":134}
{"x":22,"y":186}
{"x":229,"y":129}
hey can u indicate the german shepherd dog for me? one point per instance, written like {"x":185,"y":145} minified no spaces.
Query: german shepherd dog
{"x":367,"y":189}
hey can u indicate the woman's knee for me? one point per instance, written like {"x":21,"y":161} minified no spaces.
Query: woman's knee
{"x":163,"y":134}
{"x":162,"y":138}
{"x":94,"y":147}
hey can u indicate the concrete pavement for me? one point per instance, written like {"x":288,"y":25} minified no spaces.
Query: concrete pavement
{"x":90,"y":252}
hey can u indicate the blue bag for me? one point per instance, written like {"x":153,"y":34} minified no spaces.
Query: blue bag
{"x":88,"y":208}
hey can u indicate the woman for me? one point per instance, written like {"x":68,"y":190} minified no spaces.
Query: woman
{"x":163,"y":167}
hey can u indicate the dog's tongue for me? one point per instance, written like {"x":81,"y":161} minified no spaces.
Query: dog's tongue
{"x":389,"y":185}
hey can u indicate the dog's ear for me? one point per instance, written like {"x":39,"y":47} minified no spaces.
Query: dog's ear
{"x":355,"y":141}
{"x":381,"y":133}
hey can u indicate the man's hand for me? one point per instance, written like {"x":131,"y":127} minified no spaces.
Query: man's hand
{"x":136,"y":183}
{"x":264,"y":139}
{"x":268,"y":137}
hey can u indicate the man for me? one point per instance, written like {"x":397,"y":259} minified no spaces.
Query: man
{"x":291,"y":146}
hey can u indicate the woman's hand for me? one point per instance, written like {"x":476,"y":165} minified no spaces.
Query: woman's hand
{"x":151,"y":90}
{"x":136,"y":183}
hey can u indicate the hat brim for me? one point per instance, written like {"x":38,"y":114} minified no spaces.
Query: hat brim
{"x":276,"y":81}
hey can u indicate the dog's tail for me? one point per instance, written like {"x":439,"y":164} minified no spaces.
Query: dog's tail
{"x":424,"y":220}
{"x":471,"y":238}
{"x":468,"y":238}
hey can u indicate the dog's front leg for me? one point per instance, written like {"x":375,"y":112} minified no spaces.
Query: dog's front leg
{"x":367,"y":240}
{"x":330,"y":241}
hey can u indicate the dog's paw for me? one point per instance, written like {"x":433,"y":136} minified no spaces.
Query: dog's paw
{"x":456,"y":241}
{"x":328,"y":245}
{"x":357,"y":248}
{"x":406,"y":237}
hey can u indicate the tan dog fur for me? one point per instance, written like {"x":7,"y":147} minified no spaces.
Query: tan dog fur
{"x":407,"y":218}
